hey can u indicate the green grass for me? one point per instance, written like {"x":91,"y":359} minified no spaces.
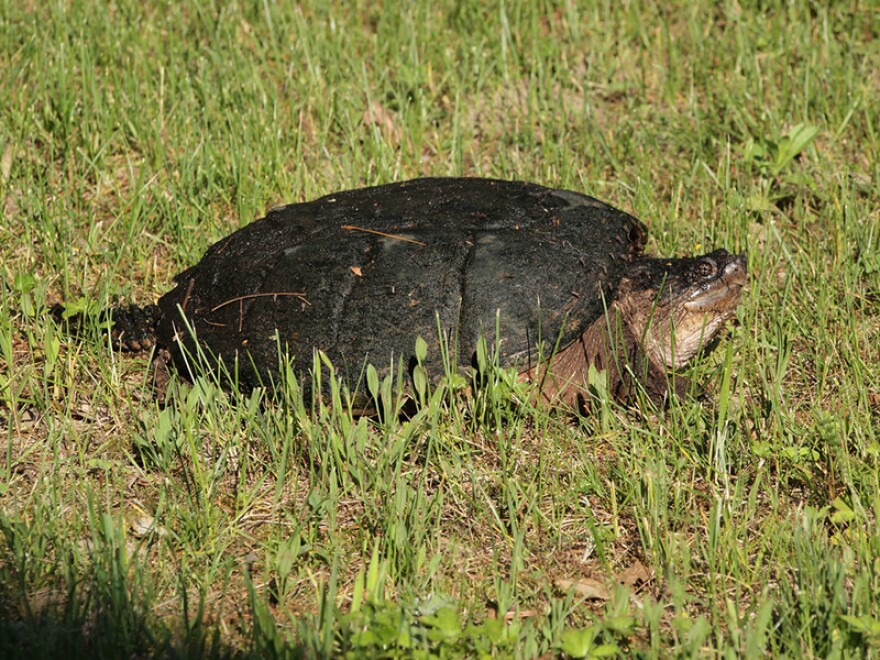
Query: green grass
{"x":133,"y":135}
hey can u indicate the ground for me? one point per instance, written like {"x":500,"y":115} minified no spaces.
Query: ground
{"x":133,"y":135}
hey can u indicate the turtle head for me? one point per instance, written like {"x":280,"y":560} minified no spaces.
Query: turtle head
{"x":675,"y":307}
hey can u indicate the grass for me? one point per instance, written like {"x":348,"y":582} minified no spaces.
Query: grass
{"x":133,"y":135}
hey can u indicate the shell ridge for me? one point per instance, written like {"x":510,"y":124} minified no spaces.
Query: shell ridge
{"x":462,"y":318}
{"x":340,"y":310}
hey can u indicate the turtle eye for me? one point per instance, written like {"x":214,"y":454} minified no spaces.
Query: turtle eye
{"x":706,"y":268}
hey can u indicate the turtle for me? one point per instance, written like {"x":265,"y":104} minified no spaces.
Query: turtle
{"x":556,"y":280}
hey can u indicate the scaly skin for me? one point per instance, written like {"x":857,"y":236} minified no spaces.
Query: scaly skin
{"x":664,"y":312}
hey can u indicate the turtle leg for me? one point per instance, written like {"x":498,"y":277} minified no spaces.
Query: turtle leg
{"x":161,"y":366}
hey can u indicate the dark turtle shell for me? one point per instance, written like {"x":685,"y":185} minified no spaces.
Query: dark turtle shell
{"x":361,"y":274}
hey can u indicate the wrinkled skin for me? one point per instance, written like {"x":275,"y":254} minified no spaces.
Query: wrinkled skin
{"x":663,"y":313}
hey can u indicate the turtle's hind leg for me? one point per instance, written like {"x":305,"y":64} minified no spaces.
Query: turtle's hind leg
{"x":134,"y":327}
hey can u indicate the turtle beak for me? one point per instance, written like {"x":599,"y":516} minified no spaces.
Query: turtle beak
{"x":735,"y":272}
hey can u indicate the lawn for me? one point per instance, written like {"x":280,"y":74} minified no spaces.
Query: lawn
{"x":135,"y":134}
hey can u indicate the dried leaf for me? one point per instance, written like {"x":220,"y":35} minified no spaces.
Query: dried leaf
{"x":637,"y":574}
{"x":6,"y":164}
{"x":585,"y":587}
{"x":758,"y":233}
{"x":142,"y":525}
{"x":357,"y":271}
{"x":379,"y":116}
{"x":522,"y":614}
{"x":510,"y":615}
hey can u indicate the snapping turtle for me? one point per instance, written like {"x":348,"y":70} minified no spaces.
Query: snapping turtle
{"x":361,"y":274}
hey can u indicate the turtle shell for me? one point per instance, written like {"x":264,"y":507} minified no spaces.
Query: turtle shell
{"x":361,"y":274}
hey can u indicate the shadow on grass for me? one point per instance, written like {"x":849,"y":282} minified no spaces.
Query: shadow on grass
{"x":79,"y":625}
{"x":88,"y":621}
{"x":105,"y":607}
